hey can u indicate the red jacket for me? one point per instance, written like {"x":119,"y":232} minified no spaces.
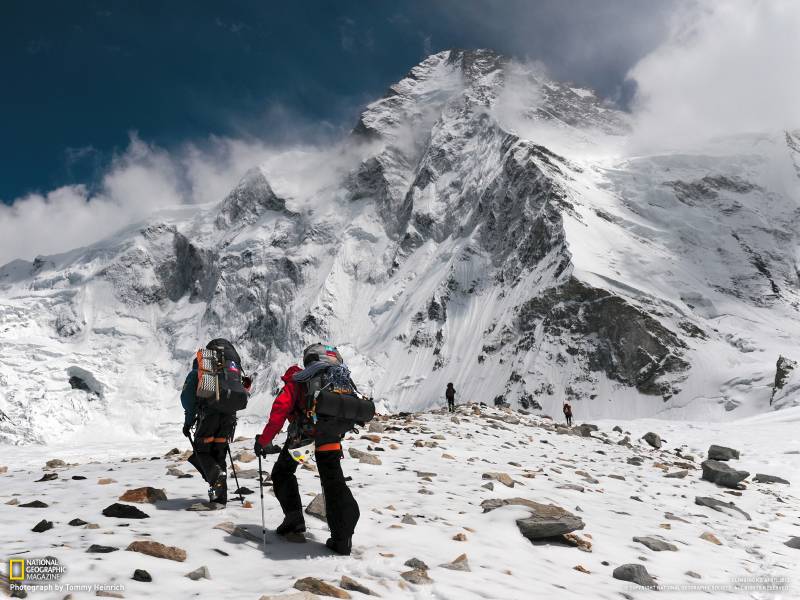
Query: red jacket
{"x":282,"y":407}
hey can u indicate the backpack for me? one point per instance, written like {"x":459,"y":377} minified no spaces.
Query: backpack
{"x":219,"y":378}
{"x":332,"y":405}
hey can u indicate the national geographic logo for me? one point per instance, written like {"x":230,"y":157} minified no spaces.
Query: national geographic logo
{"x":35,"y":569}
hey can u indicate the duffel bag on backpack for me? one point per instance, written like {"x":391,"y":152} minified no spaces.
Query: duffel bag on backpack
{"x":348,"y":407}
{"x":219,"y":380}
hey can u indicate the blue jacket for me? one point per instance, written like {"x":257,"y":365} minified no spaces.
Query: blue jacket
{"x":189,"y":396}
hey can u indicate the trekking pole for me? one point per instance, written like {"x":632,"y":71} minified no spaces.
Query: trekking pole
{"x":235,"y":477}
{"x":261,"y":490}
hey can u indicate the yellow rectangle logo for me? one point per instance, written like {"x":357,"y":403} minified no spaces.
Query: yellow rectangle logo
{"x":16,"y":569}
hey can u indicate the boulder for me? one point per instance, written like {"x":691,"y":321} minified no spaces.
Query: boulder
{"x":548,"y":520}
{"x":722,"y":453}
{"x":634,"y":573}
{"x":244,"y":456}
{"x":653,"y":439}
{"x":793,"y":543}
{"x":106,"y":481}
{"x":42,"y":526}
{"x":316,"y":508}
{"x":677,"y":474}
{"x":317,"y":586}
{"x":77,"y":523}
{"x":47,"y":477}
{"x":199,"y":573}
{"x":418,"y":576}
{"x":656,"y":544}
{"x":98,"y":549}
{"x":236,"y":531}
{"x":347,"y":583}
{"x":144,"y":495}
{"x":124,"y":511}
{"x":158,"y":550}
{"x":762,"y":478}
{"x":55,"y":463}
{"x":728,"y":508}
{"x":364,"y":457}
{"x":710,"y":537}
{"x":503,"y":478}
{"x":415,"y":563}
{"x":721,"y":474}
{"x":34,"y":504}
{"x":458,"y":564}
{"x":142,"y":575}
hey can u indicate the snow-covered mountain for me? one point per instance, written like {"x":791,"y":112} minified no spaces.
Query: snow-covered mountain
{"x":483,"y":225}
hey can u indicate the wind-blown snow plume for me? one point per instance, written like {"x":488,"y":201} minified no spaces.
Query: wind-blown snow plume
{"x":726,"y":68}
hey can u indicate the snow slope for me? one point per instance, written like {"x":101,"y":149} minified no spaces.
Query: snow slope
{"x":441,"y":486}
{"x":483,"y":225}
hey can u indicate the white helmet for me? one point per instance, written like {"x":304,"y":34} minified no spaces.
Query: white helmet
{"x":303,"y":454}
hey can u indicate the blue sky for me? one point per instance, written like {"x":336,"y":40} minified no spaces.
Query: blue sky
{"x":79,"y":77}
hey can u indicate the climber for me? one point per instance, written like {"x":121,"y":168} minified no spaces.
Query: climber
{"x":314,"y":430}
{"x":568,"y":413}
{"x":214,"y":417}
{"x":450,"y":394}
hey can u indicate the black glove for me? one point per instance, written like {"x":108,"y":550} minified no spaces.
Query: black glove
{"x":259,"y":449}
{"x":186,"y":429}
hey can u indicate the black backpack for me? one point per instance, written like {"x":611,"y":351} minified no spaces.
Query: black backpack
{"x":333,"y":406}
{"x":219,"y":377}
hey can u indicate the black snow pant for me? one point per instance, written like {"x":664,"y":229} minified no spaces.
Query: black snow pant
{"x":569,"y":420}
{"x":451,"y":406}
{"x":214,"y":432}
{"x":340,"y":506}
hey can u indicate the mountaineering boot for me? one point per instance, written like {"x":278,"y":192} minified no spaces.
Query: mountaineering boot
{"x":219,"y":491}
{"x":293,"y":522}
{"x":343,"y":546}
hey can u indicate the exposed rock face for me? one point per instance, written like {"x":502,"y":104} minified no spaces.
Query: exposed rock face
{"x":634,"y":348}
{"x":251,"y":197}
{"x":783,"y":369}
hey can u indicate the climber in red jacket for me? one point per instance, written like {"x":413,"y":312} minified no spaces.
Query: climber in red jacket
{"x":302,"y":439}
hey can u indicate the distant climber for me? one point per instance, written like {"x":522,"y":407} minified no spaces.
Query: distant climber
{"x":214,"y":390}
{"x":450,"y":394}
{"x":321,"y":403}
{"x":568,"y":413}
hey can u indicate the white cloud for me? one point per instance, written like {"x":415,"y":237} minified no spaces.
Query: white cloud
{"x":138,"y":182}
{"x":146,"y":178}
{"x":727,"y":67}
